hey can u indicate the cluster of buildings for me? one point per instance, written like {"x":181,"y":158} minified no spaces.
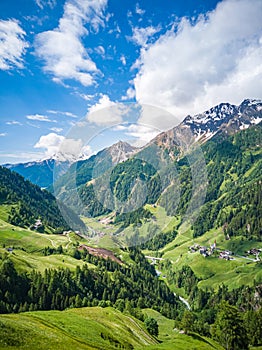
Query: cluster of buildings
{"x":223,"y":254}
{"x":226,"y":254}
{"x":203,"y":250}
{"x":254,"y":251}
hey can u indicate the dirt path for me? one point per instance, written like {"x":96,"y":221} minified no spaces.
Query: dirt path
{"x":52,"y":242}
{"x":69,"y":240}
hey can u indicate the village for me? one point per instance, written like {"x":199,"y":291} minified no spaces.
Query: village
{"x":224,"y":254}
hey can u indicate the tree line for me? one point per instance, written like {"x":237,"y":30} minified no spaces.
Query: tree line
{"x":125,"y":287}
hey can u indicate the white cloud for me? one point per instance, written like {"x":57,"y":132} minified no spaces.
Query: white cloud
{"x":43,"y":3}
{"x":3,"y":134}
{"x":13,"y":122}
{"x":33,"y":125}
{"x":50,"y":143}
{"x":61,"y":49}
{"x":67,"y":114}
{"x":141,"y":36}
{"x":156,"y":117}
{"x":12,"y":45}
{"x":85,"y":152}
{"x":197,"y":65}
{"x":86,"y":97}
{"x":19,"y":157}
{"x":100,"y":50}
{"x":130,"y":94}
{"x":56,"y":129}
{"x":144,"y":133}
{"x":139,"y":11}
{"x":123,"y":60}
{"x":40,"y":118}
{"x":106,"y":112}
{"x":63,"y":148}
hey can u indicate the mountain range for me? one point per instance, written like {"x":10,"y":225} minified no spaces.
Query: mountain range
{"x":223,"y":118}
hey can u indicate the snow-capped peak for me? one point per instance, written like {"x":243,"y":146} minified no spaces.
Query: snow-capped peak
{"x":224,"y":116}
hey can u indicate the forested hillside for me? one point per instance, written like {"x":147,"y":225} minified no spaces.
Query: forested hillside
{"x":233,"y":198}
{"x":125,"y":287}
{"x":29,"y":203}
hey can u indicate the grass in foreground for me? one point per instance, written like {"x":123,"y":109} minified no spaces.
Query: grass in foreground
{"x":87,"y":328}
{"x":92,"y":328}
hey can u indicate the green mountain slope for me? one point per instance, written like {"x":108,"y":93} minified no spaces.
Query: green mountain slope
{"x":88,"y":328}
{"x":233,"y":194}
{"x":92,"y":328}
{"x":28,"y":203}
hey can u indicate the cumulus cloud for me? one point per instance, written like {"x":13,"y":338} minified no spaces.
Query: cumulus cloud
{"x":130,"y":93}
{"x":50,"y":143}
{"x":106,"y":112}
{"x":40,"y":118}
{"x":199,"y":64}
{"x":156,"y":117}
{"x":62,"y":50}
{"x":63,"y":148}
{"x":12,"y":45}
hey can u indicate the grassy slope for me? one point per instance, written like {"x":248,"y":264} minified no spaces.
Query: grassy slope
{"x":72,"y":329}
{"x":170,"y":338}
{"x":212,"y":270}
{"x":28,"y":244}
{"x":82,"y":328}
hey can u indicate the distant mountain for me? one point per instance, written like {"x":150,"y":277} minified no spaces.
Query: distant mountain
{"x":32,"y":207}
{"x":41,"y":172}
{"x":83,"y":171}
{"x":38,"y":172}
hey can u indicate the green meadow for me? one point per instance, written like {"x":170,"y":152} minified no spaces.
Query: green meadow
{"x":93,"y":328}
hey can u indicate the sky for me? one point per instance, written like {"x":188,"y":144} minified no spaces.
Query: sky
{"x":81,"y":74}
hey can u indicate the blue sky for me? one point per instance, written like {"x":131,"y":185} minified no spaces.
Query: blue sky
{"x":63,"y":61}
